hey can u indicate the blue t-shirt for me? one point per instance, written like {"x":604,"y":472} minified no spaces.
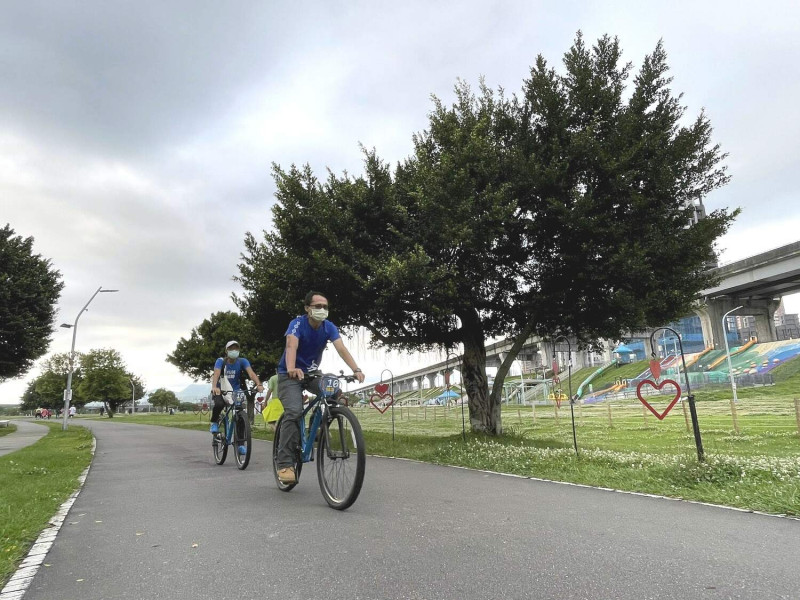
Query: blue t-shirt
{"x":311,"y":343}
{"x":232,"y":371}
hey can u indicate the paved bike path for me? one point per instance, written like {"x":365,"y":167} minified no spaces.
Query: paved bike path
{"x":27,"y":433}
{"x":157,"y":519}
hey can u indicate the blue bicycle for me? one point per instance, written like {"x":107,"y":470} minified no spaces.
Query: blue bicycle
{"x":234,"y":430}
{"x":341,"y":455}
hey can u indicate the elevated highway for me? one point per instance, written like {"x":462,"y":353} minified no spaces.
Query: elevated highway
{"x":756,"y":283}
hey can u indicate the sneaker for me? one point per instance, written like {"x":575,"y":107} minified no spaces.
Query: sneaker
{"x":242,"y":450}
{"x":287,"y":475}
{"x":214,"y":428}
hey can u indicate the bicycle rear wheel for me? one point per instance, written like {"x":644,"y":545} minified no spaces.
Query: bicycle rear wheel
{"x":220,"y":442}
{"x":298,"y":460}
{"x":242,"y":440}
{"x":341,"y":458}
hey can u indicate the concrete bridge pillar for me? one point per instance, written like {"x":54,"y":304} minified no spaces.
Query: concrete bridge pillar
{"x":711,"y":318}
{"x":431,"y":379}
{"x":765,"y":321}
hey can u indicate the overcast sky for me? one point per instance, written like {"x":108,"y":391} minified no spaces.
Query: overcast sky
{"x":136,"y":138}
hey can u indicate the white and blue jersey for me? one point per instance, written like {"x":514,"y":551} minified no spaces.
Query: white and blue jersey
{"x":231,"y":372}
{"x":311,"y":343}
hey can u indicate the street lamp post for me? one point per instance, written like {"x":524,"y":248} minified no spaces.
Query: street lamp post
{"x":728,"y":352}
{"x":133,"y":398}
{"x":569,"y":377}
{"x":68,"y":392}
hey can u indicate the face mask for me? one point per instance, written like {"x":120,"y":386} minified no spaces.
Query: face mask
{"x":319,"y":314}
{"x":233,"y":354}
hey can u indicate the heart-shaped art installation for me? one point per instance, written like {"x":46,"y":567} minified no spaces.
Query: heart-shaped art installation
{"x":655,"y":369}
{"x":658,"y":386}
{"x":381,"y":395}
{"x":383,"y":399}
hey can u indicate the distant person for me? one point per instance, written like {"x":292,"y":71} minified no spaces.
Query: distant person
{"x":233,"y":365}
{"x":38,"y":414}
{"x":306,"y":339}
{"x":274,"y":408}
{"x":102,"y":410}
{"x":72,"y":411}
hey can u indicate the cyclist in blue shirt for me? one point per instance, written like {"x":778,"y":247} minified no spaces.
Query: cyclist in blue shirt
{"x":233,"y":365}
{"x":306,"y":339}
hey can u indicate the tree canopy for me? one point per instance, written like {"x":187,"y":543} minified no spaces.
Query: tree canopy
{"x":570,"y":208}
{"x":195,"y":356}
{"x":106,"y":379}
{"x":163,"y":398}
{"x":29,"y":290}
{"x":52,"y":381}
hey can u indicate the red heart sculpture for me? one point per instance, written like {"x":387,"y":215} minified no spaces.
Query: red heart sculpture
{"x":655,"y":369}
{"x":375,"y":397}
{"x":658,"y":386}
{"x":555,"y":367}
{"x":382,"y":388}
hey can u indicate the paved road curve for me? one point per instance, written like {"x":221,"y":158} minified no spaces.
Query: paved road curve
{"x":27,"y":433}
{"x":157,"y":519}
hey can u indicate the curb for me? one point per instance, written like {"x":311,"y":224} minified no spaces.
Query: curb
{"x":18,"y":584}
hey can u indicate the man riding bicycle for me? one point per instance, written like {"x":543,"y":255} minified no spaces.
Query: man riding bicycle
{"x":306,"y":339}
{"x":233,"y":365}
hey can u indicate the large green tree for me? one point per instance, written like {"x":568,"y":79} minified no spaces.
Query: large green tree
{"x":29,"y":290}
{"x":106,"y":379}
{"x":163,"y":398}
{"x":30,"y":398}
{"x":52,"y":381}
{"x":569,"y":209}
{"x":196,"y":355}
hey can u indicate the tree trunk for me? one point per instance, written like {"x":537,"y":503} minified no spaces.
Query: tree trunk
{"x":484,"y":414}
{"x":519,"y":342}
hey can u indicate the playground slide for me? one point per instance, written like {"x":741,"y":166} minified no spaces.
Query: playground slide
{"x":595,"y":396}
{"x":698,"y":357}
{"x":665,"y":363}
{"x":739,"y":350}
{"x":588,"y":380}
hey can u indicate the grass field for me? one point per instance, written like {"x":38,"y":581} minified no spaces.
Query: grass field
{"x":34,"y":482}
{"x":10,"y":428}
{"x":757,"y":469}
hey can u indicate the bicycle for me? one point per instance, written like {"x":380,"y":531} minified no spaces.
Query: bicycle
{"x":233,"y":431}
{"x":341,"y":454}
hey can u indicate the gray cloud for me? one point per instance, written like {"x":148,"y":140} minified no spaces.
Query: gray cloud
{"x":136,"y":138}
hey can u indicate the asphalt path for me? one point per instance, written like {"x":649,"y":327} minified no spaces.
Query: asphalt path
{"x":158,"y":519}
{"x":27,"y":433}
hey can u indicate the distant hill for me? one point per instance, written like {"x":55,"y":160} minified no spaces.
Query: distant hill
{"x":194,"y":392}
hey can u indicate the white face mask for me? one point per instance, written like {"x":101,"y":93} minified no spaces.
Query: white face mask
{"x":319,"y":314}
{"x":233,"y":354}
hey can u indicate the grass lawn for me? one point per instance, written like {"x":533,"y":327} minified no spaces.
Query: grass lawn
{"x":757,"y":469}
{"x":34,"y":482}
{"x":10,"y":428}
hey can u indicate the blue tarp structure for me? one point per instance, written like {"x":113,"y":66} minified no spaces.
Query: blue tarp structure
{"x":623,"y":349}
{"x":447,"y":394}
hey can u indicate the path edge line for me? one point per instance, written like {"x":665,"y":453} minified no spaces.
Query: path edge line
{"x":16,"y":587}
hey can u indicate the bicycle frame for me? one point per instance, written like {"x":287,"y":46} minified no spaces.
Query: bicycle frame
{"x":329,"y":388}
{"x":229,"y":423}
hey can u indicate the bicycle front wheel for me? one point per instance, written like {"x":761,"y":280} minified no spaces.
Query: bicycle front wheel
{"x":341,"y":458}
{"x":242,"y":441}
{"x":220,"y":443}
